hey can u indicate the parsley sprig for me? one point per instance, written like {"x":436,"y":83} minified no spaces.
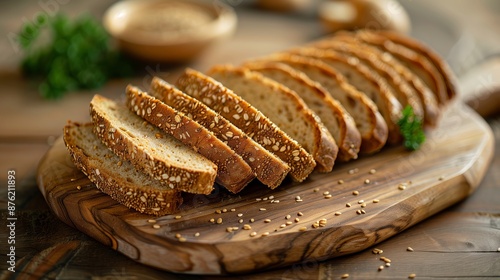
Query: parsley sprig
{"x":77,"y":56}
{"x":411,"y":128}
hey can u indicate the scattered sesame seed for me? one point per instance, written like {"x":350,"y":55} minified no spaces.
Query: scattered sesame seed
{"x":347,"y":204}
{"x":240,"y":215}
{"x":178,"y":235}
{"x":380,"y":268}
{"x":387,"y":264}
{"x":326,"y":193}
{"x":247,"y":227}
{"x":267,"y":221}
{"x":182,"y":239}
{"x":358,"y":212}
{"x":288,"y":223}
{"x":338,"y":213}
{"x":363,"y":205}
{"x":197,"y":234}
{"x":258,"y":199}
{"x":384,"y":259}
{"x":361,"y":201}
{"x":178,"y":217}
{"x":367,"y":181}
{"x":282,"y":226}
{"x":271,"y":197}
{"x":219,"y":220}
{"x":218,"y":211}
{"x":363,"y":211}
{"x":296,"y":220}
{"x":264,"y":199}
{"x":298,"y":199}
{"x":377,"y":251}
{"x":229,"y":229}
{"x":265,"y":233}
{"x":300,"y":214}
{"x":410,"y":249}
{"x":340,"y":182}
{"x":498,"y":250}
{"x":316,"y":190}
{"x":412,"y":276}
{"x":352,"y":171}
{"x":288,"y":217}
{"x":262,"y":209}
{"x":240,"y":221}
{"x":441,"y":178}
{"x":78,"y":187}
{"x":355,"y":193}
{"x":345,"y":275}
{"x":252,"y":220}
{"x":373,"y":171}
{"x":224,"y":210}
{"x":376,"y":201}
{"x":233,"y":210}
{"x":156,"y":226}
{"x":401,"y":186}
{"x":302,"y":229}
{"x":328,"y":196}
{"x":151,"y":221}
{"x":252,"y":234}
{"x":212,"y":220}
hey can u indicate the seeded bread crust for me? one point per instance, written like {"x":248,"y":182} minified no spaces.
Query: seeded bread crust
{"x":368,"y":82}
{"x":284,"y":108}
{"x":249,"y":120}
{"x":431,"y":108}
{"x":369,"y":121}
{"x":442,"y":67}
{"x":333,"y":115}
{"x":131,"y":138}
{"x":116,"y":178}
{"x":268,"y":168}
{"x":418,"y":63}
{"x":398,"y":86}
{"x":233,"y":172}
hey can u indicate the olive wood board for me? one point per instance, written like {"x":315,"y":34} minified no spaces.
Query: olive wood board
{"x":446,"y":169}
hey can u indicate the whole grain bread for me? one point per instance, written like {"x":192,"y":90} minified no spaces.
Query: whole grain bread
{"x":369,"y":121}
{"x":149,"y":149}
{"x":268,"y":168}
{"x":366,"y":81}
{"x":418,"y":63}
{"x":284,"y":108}
{"x":233,"y":172}
{"x":397,"y":84}
{"x":249,"y":120}
{"x":442,"y":67}
{"x":428,"y":99}
{"x":333,"y":115}
{"x":115,"y":177}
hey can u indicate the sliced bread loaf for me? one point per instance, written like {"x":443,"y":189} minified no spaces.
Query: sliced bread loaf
{"x":149,"y":149}
{"x":268,"y":168}
{"x":116,"y":177}
{"x":442,"y":67}
{"x":428,"y":99}
{"x":397,"y":84}
{"x":249,"y":120}
{"x":369,"y":121}
{"x":232,"y":171}
{"x":284,"y":108}
{"x":333,"y":115}
{"x":418,"y":63}
{"x":366,"y":81}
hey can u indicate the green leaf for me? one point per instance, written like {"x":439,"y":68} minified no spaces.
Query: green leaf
{"x":411,"y":128}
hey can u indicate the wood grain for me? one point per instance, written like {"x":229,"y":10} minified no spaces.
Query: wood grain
{"x":444,"y":171}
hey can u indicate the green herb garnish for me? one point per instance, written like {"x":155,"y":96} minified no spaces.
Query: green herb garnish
{"x":411,"y":128}
{"x":77,"y":56}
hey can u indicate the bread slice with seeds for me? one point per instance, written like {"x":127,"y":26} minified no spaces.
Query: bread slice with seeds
{"x":233,"y":172}
{"x":284,"y":108}
{"x":418,"y":63}
{"x":366,"y":81}
{"x":115,"y":177}
{"x":369,"y":121}
{"x":428,"y":99}
{"x":397,"y":85}
{"x":149,"y":149}
{"x":441,"y":66}
{"x":268,"y":168}
{"x":249,"y":120}
{"x":333,"y":115}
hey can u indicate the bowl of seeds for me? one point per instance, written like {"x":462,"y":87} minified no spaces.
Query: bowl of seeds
{"x":168,"y":30}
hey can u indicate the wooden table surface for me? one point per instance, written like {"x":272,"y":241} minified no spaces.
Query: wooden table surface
{"x":460,"y":242}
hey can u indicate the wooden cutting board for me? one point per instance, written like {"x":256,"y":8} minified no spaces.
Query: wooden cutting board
{"x":403,"y":189}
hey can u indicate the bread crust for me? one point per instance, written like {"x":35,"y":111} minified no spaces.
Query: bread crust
{"x":333,"y":115}
{"x":249,"y":120}
{"x":141,"y":197}
{"x":322,"y":147}
{"x":232,"y":171}
{"x":370,"y":123}
{"x":269,"y":169}
{"x":171,"y":174}
{"x":387,"y":104}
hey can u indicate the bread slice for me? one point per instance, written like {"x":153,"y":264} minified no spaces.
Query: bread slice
{"x":284,"y":108}
{"x":397,"y":84}
{"x":428,"y":99}
{"x":116,"y":177}
{"x":369,"y":121}
{"x":268,"y":168}
{"x":366,"y":81}
{"x":249,"y":120}
{"x":233,"y":172}
{"x":149,"y":149}
{"x":418,"y":63}
{"x":333,"y":115}
{"x":441,"y":66}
